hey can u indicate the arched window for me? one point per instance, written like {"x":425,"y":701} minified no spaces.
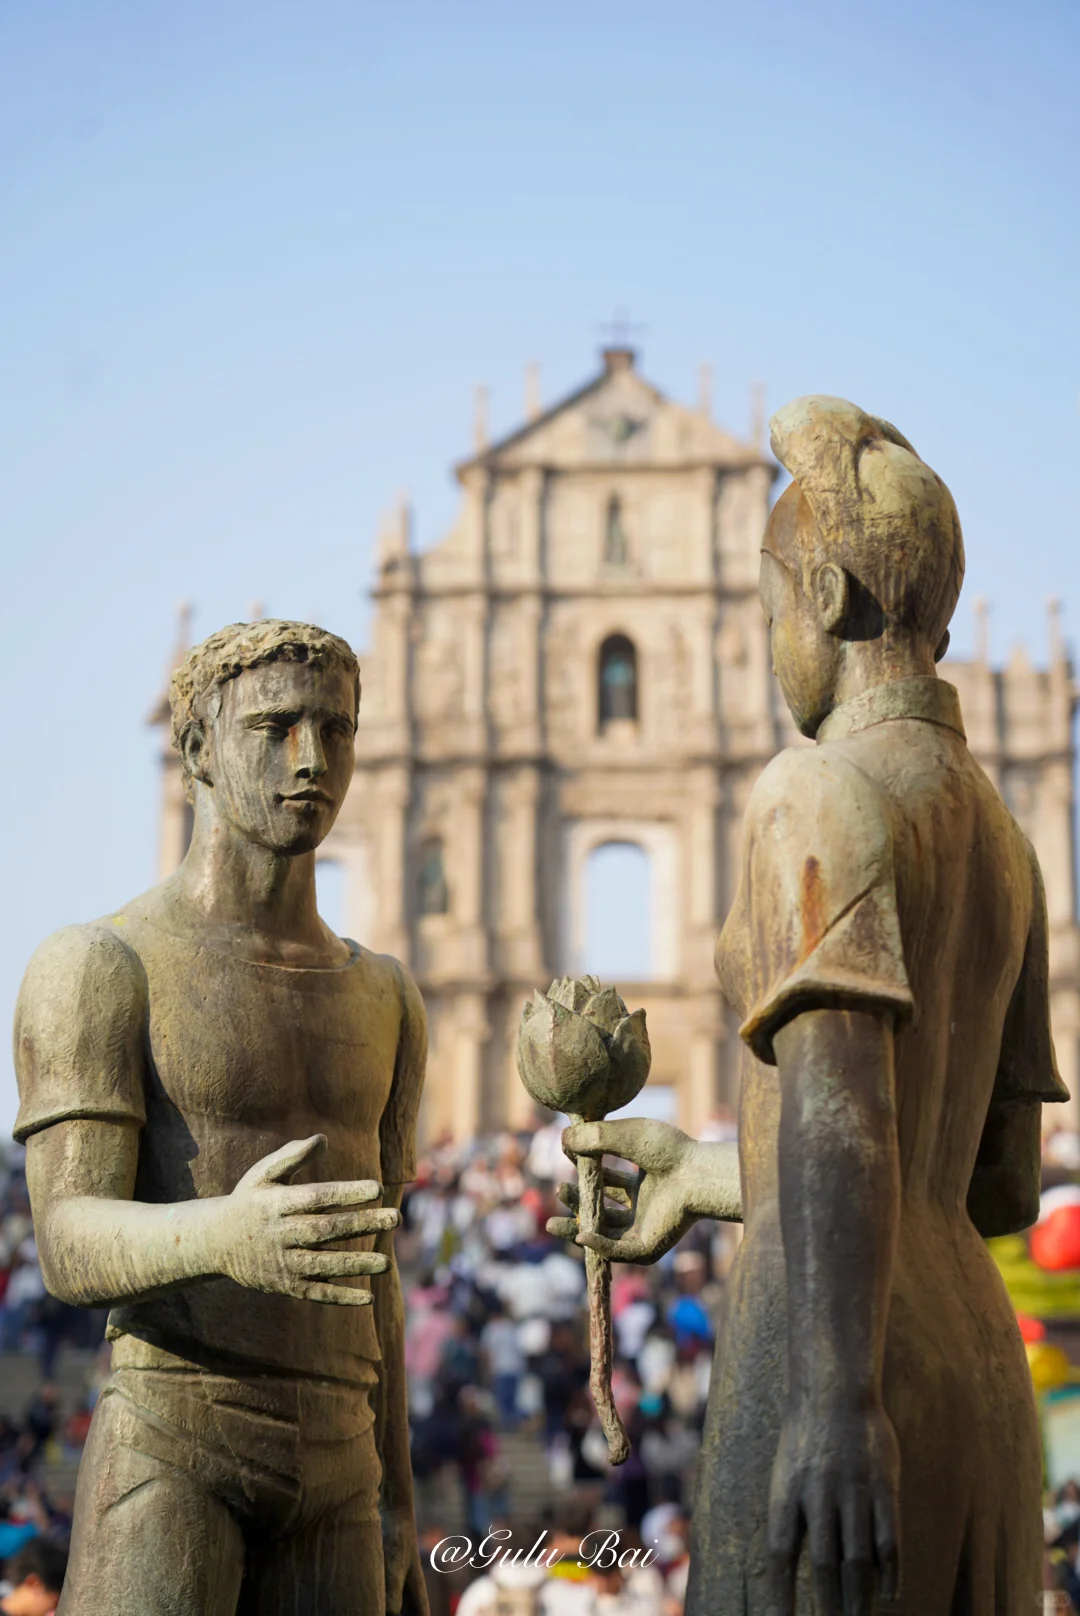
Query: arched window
{"x":618,"y":913}
{"x":616,"y":548}
{"x":433,"y":895}
{"x":618,"y":679}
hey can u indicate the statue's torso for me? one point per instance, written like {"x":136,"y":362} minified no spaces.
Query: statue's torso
{"x":956,"y":1382}
{"x":239,"y":1059}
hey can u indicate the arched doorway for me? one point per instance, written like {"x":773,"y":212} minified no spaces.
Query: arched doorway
{"x":618,"y":921}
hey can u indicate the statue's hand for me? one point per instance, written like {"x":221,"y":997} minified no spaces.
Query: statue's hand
{"x":406,"y":1591}
{"x":659,"y":1201}
{"x":835,"y":1480}
{"x":271,"y":1235}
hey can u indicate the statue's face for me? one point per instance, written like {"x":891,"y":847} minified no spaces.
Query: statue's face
{"x":805,"y":655}
{"x":279,"y":753}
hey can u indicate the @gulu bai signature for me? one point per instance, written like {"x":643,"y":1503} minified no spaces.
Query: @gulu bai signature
{"x":600,"y":1550}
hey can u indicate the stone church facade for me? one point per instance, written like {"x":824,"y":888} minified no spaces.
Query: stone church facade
{"x":583,"y":661}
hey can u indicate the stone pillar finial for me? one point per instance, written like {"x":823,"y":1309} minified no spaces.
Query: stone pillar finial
{"x":533,"y":406}
{"x":1053,"y":618}
{"x":982,"y":629}
{"x":480,"y":420}
{"x":184,"y":614}
{"x":757,"y":416}
{"x":403,"y":520}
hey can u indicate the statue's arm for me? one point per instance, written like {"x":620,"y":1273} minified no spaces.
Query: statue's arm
{"x":96,"y":1245}
{"x":80,"y":1032}
{"x":837,"y":1464}
{"x":81,"y":1028}
{"x":1003,"y":1196}
{"x":406,"y":1590}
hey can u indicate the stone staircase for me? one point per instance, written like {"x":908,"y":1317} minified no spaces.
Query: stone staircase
{"x":438,"y":1503}
{"x":20,"y":1378}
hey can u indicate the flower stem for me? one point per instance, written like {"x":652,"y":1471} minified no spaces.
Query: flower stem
{"x":598,"y":1283}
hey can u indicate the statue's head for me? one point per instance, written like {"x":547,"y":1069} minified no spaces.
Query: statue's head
{"x":864,"y":546}
{"x":264,"y":719}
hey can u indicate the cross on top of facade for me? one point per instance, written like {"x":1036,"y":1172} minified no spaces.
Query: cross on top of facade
{"x":619,"y":332}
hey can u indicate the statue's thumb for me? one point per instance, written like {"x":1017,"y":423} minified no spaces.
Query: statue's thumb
{"x":279,"y":1167}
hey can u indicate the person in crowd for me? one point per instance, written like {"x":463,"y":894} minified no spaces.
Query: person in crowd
{"x":35,"y":1578}
{"x":504,"y":1361}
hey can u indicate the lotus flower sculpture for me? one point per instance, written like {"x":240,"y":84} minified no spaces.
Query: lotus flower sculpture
{"x":581,"y":1051}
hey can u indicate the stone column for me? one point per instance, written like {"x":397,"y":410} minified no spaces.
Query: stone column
{"x":394,"y":656}
{"x":174,"y":831}
{"x":1065,"y":1017}
{"x":1054,"y":839}
{"x":700,"y":1092}
{"x":700,"y":873}
{"x":533,"y":486}
{"x":703,"y":550}
{"x":394,"y":907}
{"x":520,"y":879}
{"x":472,"y":1030}
{"x":528,"y":734}
{"x":469,"y":845}
{"x":761,"y":730}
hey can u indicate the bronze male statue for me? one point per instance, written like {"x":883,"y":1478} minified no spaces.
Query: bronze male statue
{"x":871,"y":1441}
{"x":215,"y":1092}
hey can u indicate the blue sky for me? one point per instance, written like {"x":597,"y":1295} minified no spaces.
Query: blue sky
{"x":255,"y":258}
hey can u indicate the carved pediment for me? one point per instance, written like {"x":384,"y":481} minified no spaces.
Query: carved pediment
{"x":617,"y":419}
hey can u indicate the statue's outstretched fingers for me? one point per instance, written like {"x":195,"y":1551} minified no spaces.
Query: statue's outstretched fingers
{"x":323,"y":1197}
{"x":562,"y":1228}
{"x":568,"y":1195}
{"x":339,"y":1295}
{"x":313,"y":1230}
{"x":337,"y":1264}
{"x":616,"y":1217}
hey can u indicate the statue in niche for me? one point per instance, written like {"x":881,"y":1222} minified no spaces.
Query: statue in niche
{"x":871,"y":1442}
{"x":218,"y":1098}
{"x":432,"y":890}
{"x":616,"y":546}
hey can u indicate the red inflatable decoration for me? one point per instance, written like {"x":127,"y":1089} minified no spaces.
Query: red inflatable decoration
{"x":1055,"y":1239}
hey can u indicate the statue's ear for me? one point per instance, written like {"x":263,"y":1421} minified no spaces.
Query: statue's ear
{"x":832,"y":595}
{"x":943,"y":647}
{"x":195,"y":751}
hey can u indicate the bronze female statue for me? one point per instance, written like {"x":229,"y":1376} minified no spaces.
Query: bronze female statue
{"x":871,"y":1441}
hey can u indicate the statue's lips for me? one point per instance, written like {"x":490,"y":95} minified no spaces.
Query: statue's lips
{"x":307,"y":798}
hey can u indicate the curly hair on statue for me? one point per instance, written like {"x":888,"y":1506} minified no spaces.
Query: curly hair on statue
{"x":232,"y":650}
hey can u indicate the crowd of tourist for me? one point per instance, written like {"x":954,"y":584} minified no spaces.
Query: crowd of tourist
{"x":518,"y":1508}
{"x":497,"y":1352}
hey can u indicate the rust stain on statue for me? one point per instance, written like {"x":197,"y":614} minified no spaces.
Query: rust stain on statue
{"x":812,"y":906}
